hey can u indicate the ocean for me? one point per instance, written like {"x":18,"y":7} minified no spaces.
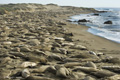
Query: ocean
{"x":96,"y":23}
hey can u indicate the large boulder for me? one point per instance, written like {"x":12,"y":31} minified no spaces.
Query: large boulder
{"x":82,"y":20}
{"x":96,"y":14}
{"x":108,"y":22}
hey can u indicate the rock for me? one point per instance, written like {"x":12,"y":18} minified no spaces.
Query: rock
{"x":95,"y":14}
{"x":25,"y":73}
{"x":79,"y":47}
{"x":62,"y":71}
{"x":91,"y":64}
{"x":108,"y":22}
{"x":82,"y":20}
{"x":28,"y":64}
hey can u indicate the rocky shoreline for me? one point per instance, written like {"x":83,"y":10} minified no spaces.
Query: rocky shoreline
{"x":35,"y":45}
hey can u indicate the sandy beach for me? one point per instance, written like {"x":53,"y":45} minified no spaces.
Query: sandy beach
{"x":93,"y":42}
{"x":38,"y":43}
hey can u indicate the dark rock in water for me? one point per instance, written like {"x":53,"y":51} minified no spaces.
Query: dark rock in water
{"x":108,"y":22}
{"x":96,"y":14}
{"x":82,"y":20}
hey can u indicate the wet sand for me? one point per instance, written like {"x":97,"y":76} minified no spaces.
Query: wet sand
{"x":93,"y":42}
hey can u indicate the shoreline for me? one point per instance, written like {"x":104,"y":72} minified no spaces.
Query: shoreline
{"x":91,"y":41}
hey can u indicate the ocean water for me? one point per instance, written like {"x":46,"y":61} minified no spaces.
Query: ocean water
{"x":97,"y":26}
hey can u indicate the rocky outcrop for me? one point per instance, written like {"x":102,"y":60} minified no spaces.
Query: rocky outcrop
{"x":83,"y":20}
{"x":108,"y":22}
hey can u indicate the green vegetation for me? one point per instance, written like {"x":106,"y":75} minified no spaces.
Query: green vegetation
{"x":5,"y":8}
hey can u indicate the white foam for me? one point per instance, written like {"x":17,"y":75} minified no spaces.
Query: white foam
{"x":111,"y":32}
{"x":114,"y":36}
